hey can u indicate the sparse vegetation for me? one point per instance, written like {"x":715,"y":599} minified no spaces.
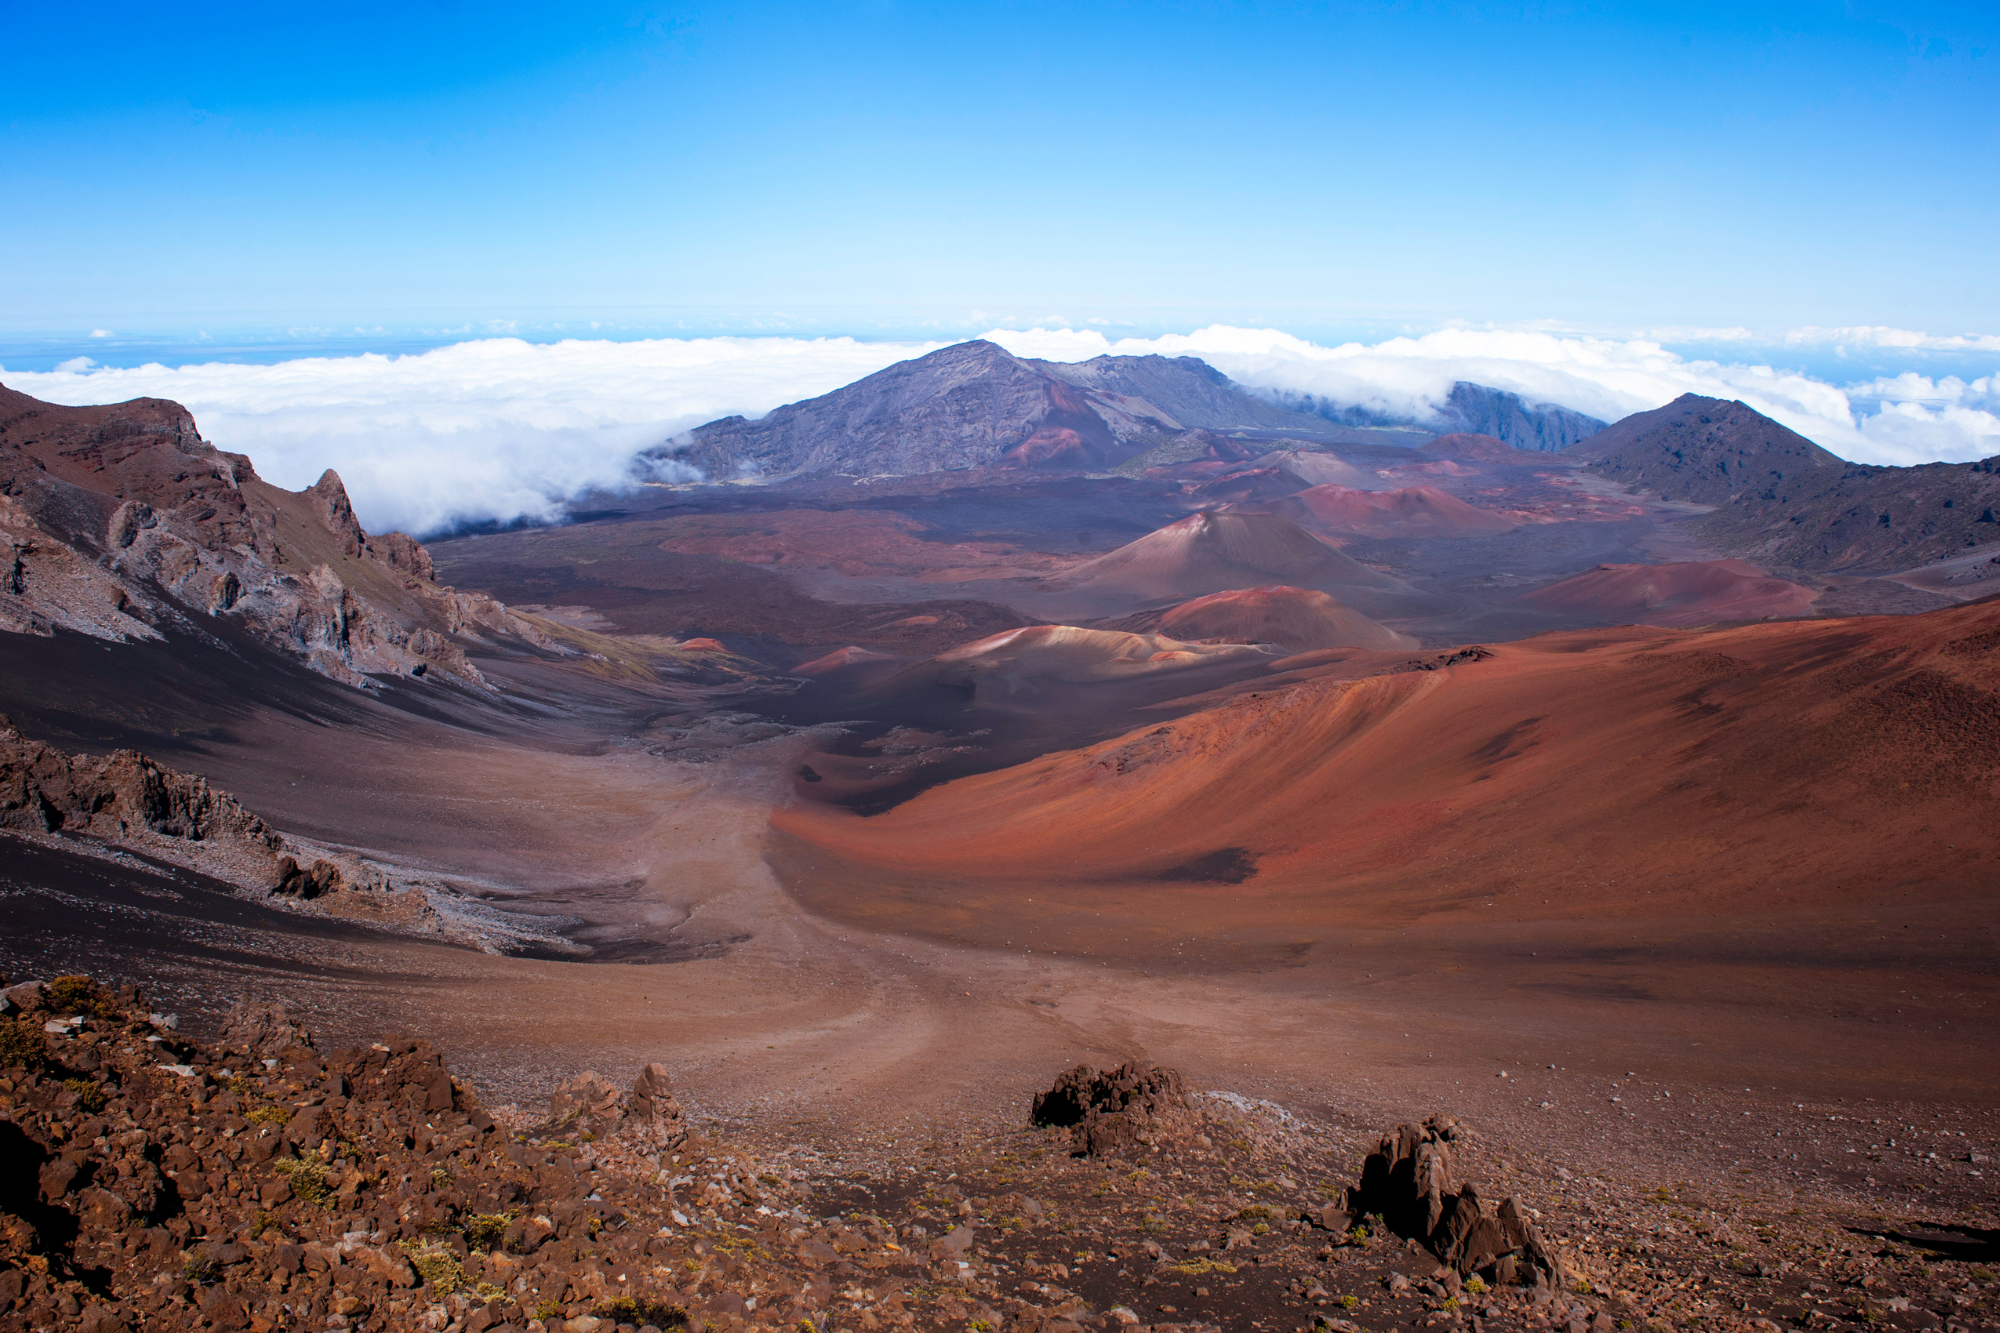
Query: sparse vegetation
{"x":308,"y":1177}
{"x":437,"y":1266}
{"x":23,"y":1045}
{"x":89,"y":1097}
{"x":485,"y":1231}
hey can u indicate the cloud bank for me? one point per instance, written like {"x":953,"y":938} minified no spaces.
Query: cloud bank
{"x":499,"y":429}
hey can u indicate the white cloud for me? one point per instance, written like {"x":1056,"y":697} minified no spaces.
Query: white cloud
{"x":1875,"y":335}
{"x":498,"y":428}
{"x":492,"y":429}
{"x":1605,"y":377}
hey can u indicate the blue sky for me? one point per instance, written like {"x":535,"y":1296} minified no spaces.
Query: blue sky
{"x":901,"y":169}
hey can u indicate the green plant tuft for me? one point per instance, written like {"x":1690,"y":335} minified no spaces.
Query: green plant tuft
{"x":436,"y":1265}
{"x":485,"y":1231}
{"x":23,"y":1044}
{"x":308,"y":1176}
{"x":79,"y":995}
{"x":642,"y":1310}
{"x":89,"y":1097}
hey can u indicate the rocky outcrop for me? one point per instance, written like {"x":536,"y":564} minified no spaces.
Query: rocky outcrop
{"x":590,"y":1104}
{"x":264,"y":1030}
{"x":121,"y":522}
{"x":1477,"y":409}
{"x":121,"y":797}
{"x":1408,"y":1183}
{"x":1134,"y":1105}
{"x":126,"y":799}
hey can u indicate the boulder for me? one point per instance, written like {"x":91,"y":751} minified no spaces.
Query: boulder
{"x":1408,"y":1182}
{"x":264,"y":1030}
{"x":587,"y":1104}
{"x":651,"y":1113}
{"x":1105,"y":1111}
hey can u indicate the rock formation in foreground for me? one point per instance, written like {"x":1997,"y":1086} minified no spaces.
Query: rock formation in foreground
{"x":121,"y":522}
{"x":263,"y":1182}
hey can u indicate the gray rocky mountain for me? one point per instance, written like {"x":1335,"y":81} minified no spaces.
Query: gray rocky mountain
{"x":1471,"y":409}
{"x":974,"y":405}
{"x":1475,"y":409}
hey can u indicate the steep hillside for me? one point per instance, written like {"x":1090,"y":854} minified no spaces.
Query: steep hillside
{"x":1474,"y":408}
{"x":1637,"y":772}
{"x":1873,"y":519}
{"x":121,"y":522}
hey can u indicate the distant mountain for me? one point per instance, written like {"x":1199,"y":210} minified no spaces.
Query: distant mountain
{"x":1473,"y":409}
{"x":121,"y":522}
{"x":1195,"y":394}
{"x":975,"y":405}
{"x":1705,"y":450}
{"x":1784,"y":501}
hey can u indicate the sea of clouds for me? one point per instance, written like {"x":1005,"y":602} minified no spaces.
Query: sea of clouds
{"x":499,"y":429}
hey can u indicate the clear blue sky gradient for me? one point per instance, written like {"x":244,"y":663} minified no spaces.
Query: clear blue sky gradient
{"x":884,"y":166}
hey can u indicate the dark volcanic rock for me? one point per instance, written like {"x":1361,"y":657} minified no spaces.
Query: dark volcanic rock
{"x":1704,"y":450}
{"x":1784,"y":501}
{"x":1407,"y":1182}
{"x":264,"y":1030}
{"x":1126,"y":1107}
{"x":42,"y":789}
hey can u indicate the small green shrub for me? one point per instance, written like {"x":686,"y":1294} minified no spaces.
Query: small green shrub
{"x":308,"y":1176}
{"x":79,"y":995}
{"x":642,"y":1310}
{"x":200,"y":1269}
{"x":23,"y":1044}
{"x":89,"y":1097}
{"x":436,"y":1265}
{"x":485,"y":1231}
{"x":1475,"y":1285}
{"x":268,"y":1115}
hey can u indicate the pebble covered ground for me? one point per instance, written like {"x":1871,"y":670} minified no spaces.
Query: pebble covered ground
{"x":152,"y":1182}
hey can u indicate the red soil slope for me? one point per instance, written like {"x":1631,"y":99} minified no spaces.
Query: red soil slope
{"x":1791,"y":767}
{"x":1216,"y":551}
{"x":1300,"y":619}
{"x":1698,"y":592}
{"x":1414,"y":511}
